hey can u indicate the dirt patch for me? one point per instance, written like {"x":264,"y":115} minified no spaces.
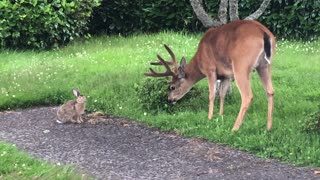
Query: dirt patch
{"x":117,"y":148}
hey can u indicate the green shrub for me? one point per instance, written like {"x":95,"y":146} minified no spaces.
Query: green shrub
{"x":152,"y":94}
{"x":293,"y":19}
{"x":312,"y":123}
{"x":286,"y":18}
{"x":126,"y":16}
{"x":43,"y":23}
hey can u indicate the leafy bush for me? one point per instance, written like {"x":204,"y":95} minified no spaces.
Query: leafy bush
{"x":286,"y":18}
{"x":312,"y":123}
{"x":43,"y":24}
{"x":125,"y":16}
{"x":152,"y":94}
{"x":293,"y":19}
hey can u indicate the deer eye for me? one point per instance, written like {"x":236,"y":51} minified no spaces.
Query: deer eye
{"x":171,"y":88}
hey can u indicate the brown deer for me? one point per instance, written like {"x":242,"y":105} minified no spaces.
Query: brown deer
{"x":230,"y":51}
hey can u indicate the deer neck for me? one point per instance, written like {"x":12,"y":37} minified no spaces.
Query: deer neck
{"x":193,"y":72}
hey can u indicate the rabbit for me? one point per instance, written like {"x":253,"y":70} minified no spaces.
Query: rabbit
{"x":72,"y":110}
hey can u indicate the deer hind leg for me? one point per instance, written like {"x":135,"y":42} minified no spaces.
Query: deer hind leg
{"x":212,"y":77}
{"x":225,"y":84}
{"x":265,"y":76}
{"x":243,"y":83}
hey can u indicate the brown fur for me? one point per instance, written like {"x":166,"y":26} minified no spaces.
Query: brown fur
{"x":72,"y":110}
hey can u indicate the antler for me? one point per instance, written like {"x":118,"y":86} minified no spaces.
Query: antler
{"x":162,"y":62}
{"x":166,"y":64}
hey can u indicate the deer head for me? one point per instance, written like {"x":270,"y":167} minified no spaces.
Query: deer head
{"x":179,"y":84}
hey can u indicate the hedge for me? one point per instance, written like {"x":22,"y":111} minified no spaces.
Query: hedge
{"x":291,"y":19}
{"x":50,"y":23}
{"x":43,"y":23}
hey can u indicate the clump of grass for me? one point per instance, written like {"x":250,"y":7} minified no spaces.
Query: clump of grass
{"x":152,"y":94}
{"x":312,"y":123}
{"x":15,"y":164}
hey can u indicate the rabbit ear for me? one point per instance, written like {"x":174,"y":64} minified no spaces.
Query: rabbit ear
{"x":76,"y":92}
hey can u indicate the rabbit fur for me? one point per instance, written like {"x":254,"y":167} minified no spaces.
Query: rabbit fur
{"x":72,"y":110}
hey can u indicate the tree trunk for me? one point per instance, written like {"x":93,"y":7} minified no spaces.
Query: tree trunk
{"x":233,"y":10}
{"x":202,"y":15}
{"x":259,"y":11}
{"x":223,"y":10}
{"x":207,"y":21}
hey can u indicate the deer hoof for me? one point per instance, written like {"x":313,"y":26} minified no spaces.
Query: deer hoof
{"x":235,"y":128}
{"x":269,"y":128}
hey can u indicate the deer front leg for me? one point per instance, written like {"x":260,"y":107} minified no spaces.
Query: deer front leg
{"x":212,"y":78}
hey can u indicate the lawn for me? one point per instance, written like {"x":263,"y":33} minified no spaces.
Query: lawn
{"x":107,"y":70}
{"x":18,"y":165}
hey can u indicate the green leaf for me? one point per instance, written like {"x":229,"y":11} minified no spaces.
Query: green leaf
{"x":34,"y":3}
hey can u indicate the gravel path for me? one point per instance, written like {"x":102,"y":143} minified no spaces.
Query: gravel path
{"x":120,"y":149}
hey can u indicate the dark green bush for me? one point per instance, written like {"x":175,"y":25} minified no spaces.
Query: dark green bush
{"x":43,"y":23}
{"x":292,"y":19}
{"x":312,"y":123}
{"x":125,"y":16}
{"x":152,"y":94}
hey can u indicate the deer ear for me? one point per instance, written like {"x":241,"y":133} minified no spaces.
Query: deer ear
{"x":181,"y":72}
{"x":183,"y":62}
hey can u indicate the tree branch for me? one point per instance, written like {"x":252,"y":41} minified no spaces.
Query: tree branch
{"x":223,"y":10}
{"x":259,"y":11}
{"x":233,"y":10}
{"x":202,"y":15}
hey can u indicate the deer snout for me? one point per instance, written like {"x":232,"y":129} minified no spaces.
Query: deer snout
{"x":172,"y":101}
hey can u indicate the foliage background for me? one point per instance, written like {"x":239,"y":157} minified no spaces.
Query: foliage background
{"x":290,"y":19}
{"x":48,"y":24}
{"x":43,"y":24}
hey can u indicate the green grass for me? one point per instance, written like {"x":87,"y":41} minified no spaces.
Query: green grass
{"x":17,"y":165}
{"x":107,"y":69}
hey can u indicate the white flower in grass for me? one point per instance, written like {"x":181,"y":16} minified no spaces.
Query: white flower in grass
{"x":3,"y":153}
{"x":145,"y":113}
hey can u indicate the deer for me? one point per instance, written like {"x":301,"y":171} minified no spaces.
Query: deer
{"x":230,"y":51}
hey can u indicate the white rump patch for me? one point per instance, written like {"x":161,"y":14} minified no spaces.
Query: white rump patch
{"x":265,"y":55}
{"x":256,"y":64}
